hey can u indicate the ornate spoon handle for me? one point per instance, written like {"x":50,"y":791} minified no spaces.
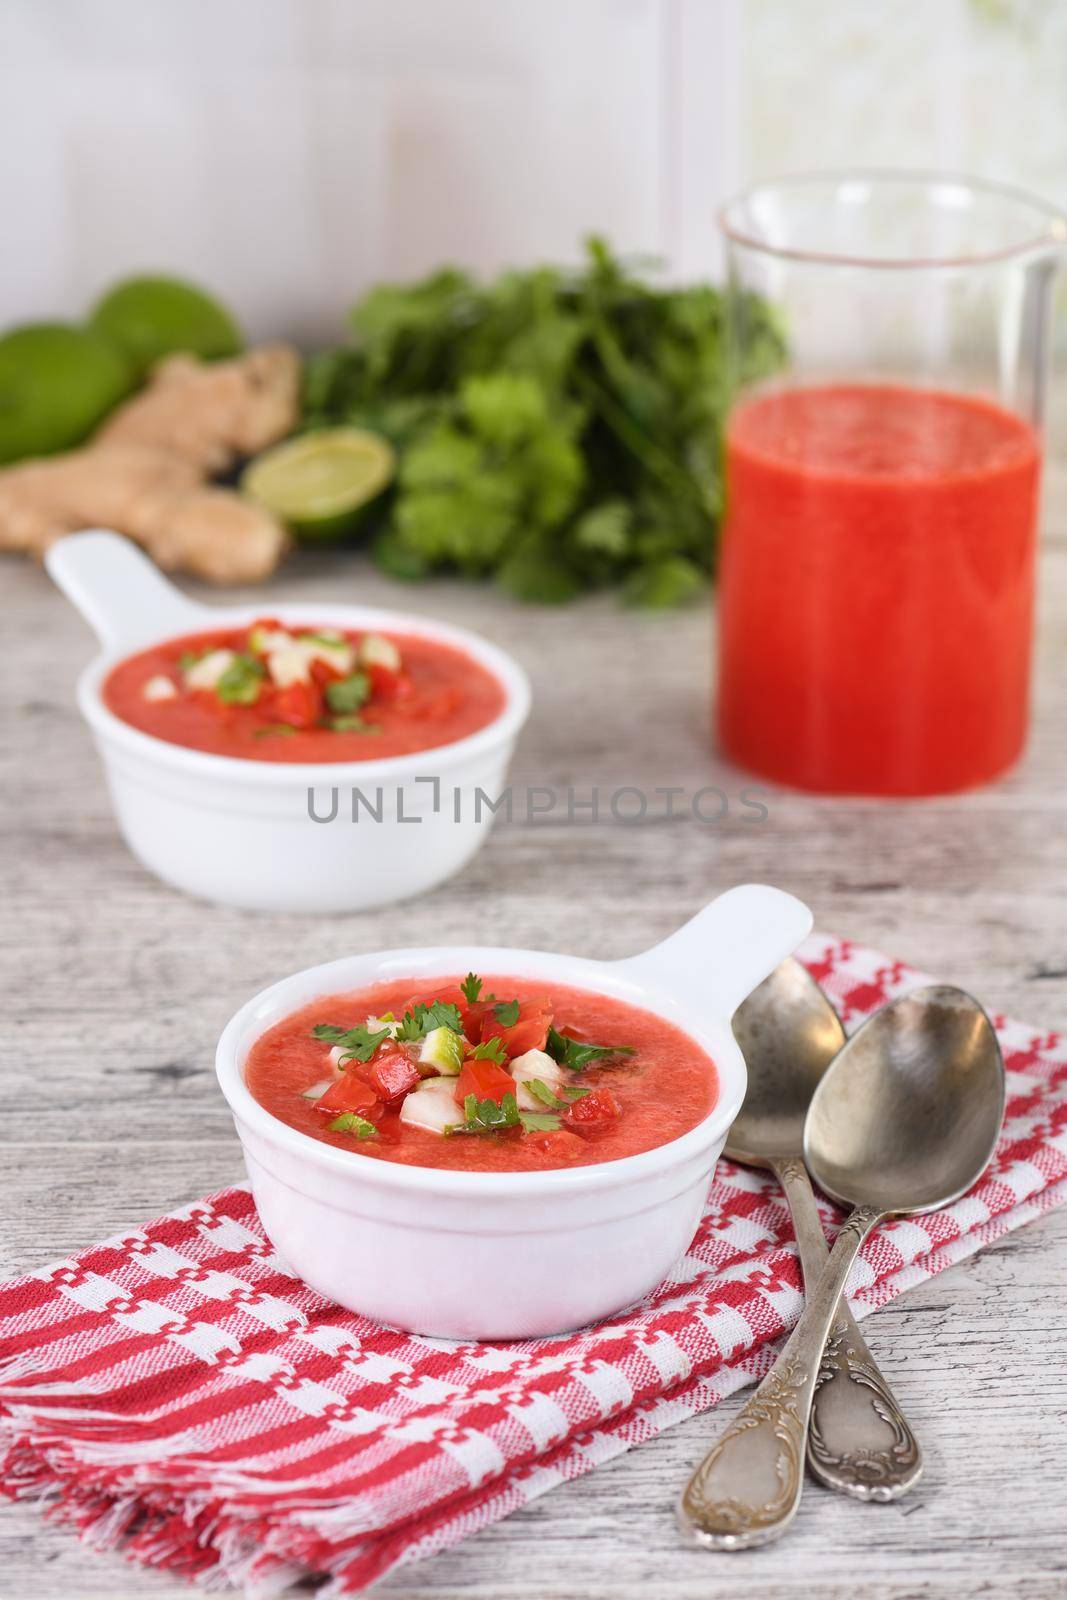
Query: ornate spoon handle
{"x":859,"y":1441}
{"x":746,"y":1490}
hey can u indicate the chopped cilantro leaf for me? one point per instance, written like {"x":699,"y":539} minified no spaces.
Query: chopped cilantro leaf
{"x":351,"y":724}
{"x":471,"y":987}
{"x":485,"y":1116}
{"x":349,"y":1122}
{"x":506,"y":1012}
{"x":577,"y":1056}
{"x":542,"y":1092}
{"x":358,"y":1043}
{"x":345,"y":695}
{"x":240,"y":684}
{"x":422,"y":1019}
{"x":490,"y":1050}
{"x":539,"y":1121}
{"x":272,"y":728}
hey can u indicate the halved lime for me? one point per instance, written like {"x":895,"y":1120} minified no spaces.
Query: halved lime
{"x":321,"y":483}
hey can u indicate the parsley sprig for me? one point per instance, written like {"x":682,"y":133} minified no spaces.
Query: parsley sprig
{"x":421,"y":1019}
{"x":540,"y":1091}
{"x":506,"y":1012}
{"x":349,"y":1122}
{"x":471,"y":987}
{"x":240,"y":684}
{"x":490,"y":1050}
{"x":574,"y":1054}
{"x":358,"y":1043}
{"x":485,"y":1116}
{"x":346,"y":695}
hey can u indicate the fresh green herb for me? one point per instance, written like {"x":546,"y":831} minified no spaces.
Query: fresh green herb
{"x":273,"y":728}
{"x":471,"y":987}
{"x":490,"y":1050}
{"x":352,"y":724}
{"x":335,"y":639}
{"x":358,"y":1043}
{"x":348,"y":1122}
{"x":189,"y":658}
{"x":542,"y":1092}
{"x":559,"y":429}
{"x":422,"y":1019}
{"x":539,"y":1121}
{"x":485,"y":1116}
{"x":346,"y":695}
{"x":506,"y":1012}
{"x":240,"y":684}
{"x":574,"y":1054}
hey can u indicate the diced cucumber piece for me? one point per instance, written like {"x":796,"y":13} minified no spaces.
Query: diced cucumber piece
{"x":264,"y":640}
{"x":442,"y":1049}
{"x":377,"y":651}
{"x":289,"y":665}
{"x":206,"y":672}
{"x":336,"y":652}
{"x":432,"y":1106}
{"x":388,"y":1022}
{"x":160,"y":688}
{"x":317,"y":1090}
{"x":534,"y":1065}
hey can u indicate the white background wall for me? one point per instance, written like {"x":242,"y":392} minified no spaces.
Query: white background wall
{"x":288,"y":152}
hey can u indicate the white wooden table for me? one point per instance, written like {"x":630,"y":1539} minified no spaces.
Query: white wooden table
{"x":116,"y":989}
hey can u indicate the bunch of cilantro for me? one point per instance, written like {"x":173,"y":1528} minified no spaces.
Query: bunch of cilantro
{"x":558,"y":430}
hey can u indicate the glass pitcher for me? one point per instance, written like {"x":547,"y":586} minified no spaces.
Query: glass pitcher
{"x":875,"y":603}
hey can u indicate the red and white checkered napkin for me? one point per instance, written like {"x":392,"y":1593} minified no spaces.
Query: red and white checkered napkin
{"x":177,"y":1394}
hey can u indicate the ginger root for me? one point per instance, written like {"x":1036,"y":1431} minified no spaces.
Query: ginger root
{"x":212,"y":414}
{"x":144,"y":473}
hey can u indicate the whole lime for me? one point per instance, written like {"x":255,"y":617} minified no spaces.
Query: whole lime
{"x":147,"y":318}
{"x":57,"y":382}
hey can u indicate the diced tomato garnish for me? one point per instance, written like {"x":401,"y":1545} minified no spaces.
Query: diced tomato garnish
{"x":391,"y":1074}
{"x":349,"y":1093}
{"x":267,"y":625}
{"x":473,"y":1018}
{"x":300,"y":705}
{"x":594,"y":1113}
{"x":323,"y":673}
{"x":528,"y":1032}
{"x":485,"y":1080}
{"x":384,"y":682}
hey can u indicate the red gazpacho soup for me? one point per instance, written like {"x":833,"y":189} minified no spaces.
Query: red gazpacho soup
{"x":272,"y":693}
{"x":484,"y":1074}
{"x":876,"y":587}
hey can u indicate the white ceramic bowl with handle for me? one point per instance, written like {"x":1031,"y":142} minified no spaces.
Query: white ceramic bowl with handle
{"x":244,"y":832}
{"x":509,"y":1255}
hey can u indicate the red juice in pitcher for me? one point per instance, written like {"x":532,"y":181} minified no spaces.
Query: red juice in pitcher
{"x":876,"y":588}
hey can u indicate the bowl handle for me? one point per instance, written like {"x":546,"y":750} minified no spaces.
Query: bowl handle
{"x":122,"y":596}
{"x":717,"y":958}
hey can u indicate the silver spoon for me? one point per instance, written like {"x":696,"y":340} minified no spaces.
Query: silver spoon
{"x":858,"y":1440}
{"x":904,"y":1121}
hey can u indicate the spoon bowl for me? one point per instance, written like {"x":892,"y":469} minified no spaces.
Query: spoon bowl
{"x":907,"y":1116}
{"x":788,"y":1033}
